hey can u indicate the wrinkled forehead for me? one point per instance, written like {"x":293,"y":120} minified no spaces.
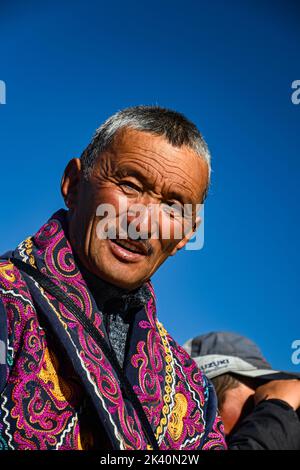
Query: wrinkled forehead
{"x":159,"y":165}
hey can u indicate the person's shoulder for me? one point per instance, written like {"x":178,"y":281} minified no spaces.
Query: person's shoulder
{"x":7,"y":271}
{"x":195,"y":385}
{"x":176,"y":347}
{"x":11,"y":279}
{"x":182,"y":358}
{"x":14,"y":293}
{"x":16,"y":313}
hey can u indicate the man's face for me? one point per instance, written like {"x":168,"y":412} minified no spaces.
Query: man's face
{"x":138,"y":168}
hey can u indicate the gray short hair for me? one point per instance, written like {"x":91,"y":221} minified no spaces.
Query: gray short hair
{"x":177,"y":129}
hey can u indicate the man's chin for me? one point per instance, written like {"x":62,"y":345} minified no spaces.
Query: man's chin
{"x":123,"y":283}
{"x":127,"y":276}
{"x":124,"y":278}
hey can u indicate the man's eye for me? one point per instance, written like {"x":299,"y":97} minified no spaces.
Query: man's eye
{"x":129,"y":185}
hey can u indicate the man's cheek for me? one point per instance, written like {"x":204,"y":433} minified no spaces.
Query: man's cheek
{"x":168,"y":246}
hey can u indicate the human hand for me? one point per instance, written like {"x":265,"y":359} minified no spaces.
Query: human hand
{"x":286,"y":390}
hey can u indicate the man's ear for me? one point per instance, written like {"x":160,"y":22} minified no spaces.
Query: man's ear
{"x":187,"y":237}
{"x":70,"y":182}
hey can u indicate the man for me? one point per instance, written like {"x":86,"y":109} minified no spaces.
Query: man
{"x":85,"y":363}
{"x":258,"y":405}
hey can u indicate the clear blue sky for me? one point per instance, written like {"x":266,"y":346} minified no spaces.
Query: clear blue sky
{"x":228,"y":66}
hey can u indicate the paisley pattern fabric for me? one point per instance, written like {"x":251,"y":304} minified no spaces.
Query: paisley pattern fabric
{"x":57,"y":388}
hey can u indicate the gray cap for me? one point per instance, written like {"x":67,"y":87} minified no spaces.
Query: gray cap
{"x":220,"y":353}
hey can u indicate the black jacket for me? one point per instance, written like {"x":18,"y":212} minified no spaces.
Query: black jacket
{"x":272,"y":425}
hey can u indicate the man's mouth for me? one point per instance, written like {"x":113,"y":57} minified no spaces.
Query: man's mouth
{"x":128,"y":250}
{"x":134,"y":247}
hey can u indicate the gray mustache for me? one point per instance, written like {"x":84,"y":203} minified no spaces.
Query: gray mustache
{"x":142,"y":240}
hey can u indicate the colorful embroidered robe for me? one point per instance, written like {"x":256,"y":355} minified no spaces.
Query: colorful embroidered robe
{"x":52,"y":373}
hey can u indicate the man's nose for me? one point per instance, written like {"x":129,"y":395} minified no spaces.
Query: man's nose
{"x":139,"y":221}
